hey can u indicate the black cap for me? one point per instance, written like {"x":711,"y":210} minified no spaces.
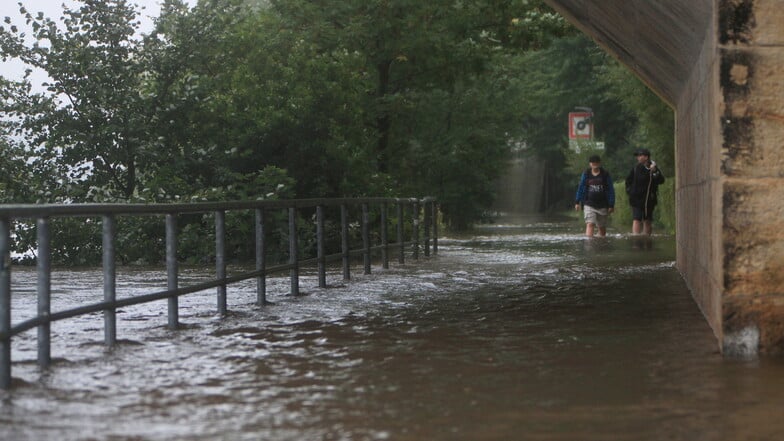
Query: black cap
{"x":595,"y":158}
{"x":639,"y":152}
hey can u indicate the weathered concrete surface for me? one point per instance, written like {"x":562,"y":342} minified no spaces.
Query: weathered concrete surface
{"x":751,"y":50}
{"x":657,"y":39}
{"x":720,"y":64}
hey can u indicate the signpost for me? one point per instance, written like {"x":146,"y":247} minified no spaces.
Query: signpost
{"x":581,"y":130}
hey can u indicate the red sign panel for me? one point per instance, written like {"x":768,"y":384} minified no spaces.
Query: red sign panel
{"x":580,"y":125}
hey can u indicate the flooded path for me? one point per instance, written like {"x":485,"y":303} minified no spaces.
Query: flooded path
{"x":519,"y":332}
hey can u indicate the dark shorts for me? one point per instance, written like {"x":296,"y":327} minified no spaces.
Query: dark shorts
{"x":640,"y":214}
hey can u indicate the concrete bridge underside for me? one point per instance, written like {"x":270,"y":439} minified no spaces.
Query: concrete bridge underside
{"x":720,"y":65}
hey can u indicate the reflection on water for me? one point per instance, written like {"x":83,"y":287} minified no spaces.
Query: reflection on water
{"x":522,"y":331}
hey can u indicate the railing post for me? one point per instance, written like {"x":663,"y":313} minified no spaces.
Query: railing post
{"x":320,"y":255}
{"x":415,"y":233}
{"x":293,"y":251}
{"x":109,"y":238}
{"x":44,"y":269}
{"x":5,"y":303}
{"x":435,"y":227}
{"x":384,"y":237}
{"x":344,"y":242}
{"x":109,"y":280}
{"x":172,"y":269}
{"x":401,"y":241}
{"x":366,"y":237}
{"x":261,"y":260}
{"x":428,"y":219}
{"x":220,"y":258}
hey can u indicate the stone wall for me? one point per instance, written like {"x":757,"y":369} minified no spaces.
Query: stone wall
{"x":730,"y":168}
{"x":751,"y":76}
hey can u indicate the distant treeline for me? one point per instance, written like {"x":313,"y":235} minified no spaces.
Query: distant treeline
{"x":236,"y":99}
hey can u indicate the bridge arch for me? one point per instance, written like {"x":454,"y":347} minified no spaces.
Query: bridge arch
{"x":720,"y":65}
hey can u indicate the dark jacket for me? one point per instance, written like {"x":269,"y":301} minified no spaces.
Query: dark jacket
{"x":642,"y":186}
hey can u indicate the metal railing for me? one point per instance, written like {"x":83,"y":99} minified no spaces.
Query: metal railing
{"x":43,"y":214}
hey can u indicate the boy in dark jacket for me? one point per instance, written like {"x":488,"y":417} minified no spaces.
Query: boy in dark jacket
{"x":642,"y":186}
{"x":596,"y":195}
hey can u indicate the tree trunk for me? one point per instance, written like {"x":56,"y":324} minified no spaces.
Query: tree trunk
{"x":383,"y":120}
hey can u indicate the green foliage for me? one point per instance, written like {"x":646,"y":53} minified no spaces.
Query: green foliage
{"x":237,"y":99}
{"x":664,"y":218}
{"x":13,"y":173}
{"x":441,"y":93}
{"x":622,"y":216}
{"x":91,"y":118}
{"x":578,"y":162}
{"x":197,"y":234}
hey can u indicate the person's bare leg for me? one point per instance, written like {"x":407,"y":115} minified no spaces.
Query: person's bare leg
{"x":636,"y":227}
{"x":647,"y":228}
{"x":589,"y":229}
{"x":602,"y":231}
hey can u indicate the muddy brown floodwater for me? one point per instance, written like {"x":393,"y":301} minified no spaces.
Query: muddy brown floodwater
{"x":524,"y":331}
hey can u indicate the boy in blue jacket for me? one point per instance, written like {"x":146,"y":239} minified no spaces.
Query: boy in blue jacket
{"x":596,"y":195}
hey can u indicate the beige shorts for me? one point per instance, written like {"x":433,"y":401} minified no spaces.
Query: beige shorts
{"x":596,"y":216}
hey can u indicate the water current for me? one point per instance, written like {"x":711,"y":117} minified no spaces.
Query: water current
{"x":522,"y":331}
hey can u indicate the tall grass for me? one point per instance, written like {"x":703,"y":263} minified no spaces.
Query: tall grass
{"x":663,"y":216}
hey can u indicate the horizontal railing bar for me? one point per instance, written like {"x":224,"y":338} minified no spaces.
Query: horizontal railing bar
{"x":98,"y":307}
{"x":333,"y":257}
{"x":45,"y":210}
{"x":136,"y":300}
{"x":161,"y":295}
{"x":356,"y":252}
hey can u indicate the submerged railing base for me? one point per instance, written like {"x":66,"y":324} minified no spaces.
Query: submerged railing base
{"x":108,"y":212}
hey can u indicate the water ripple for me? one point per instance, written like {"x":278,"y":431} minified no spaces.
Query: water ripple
{"x":522,"y":329}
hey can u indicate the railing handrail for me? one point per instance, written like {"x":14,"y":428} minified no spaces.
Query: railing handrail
{"x":42,"y":213}
{"x":27,"y":211}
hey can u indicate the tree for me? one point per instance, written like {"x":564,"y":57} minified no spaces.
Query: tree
{"x":274,"y":98}
{"x":428,"y":69}
{"x":347,"y":98}
{"x":90,"y":121}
